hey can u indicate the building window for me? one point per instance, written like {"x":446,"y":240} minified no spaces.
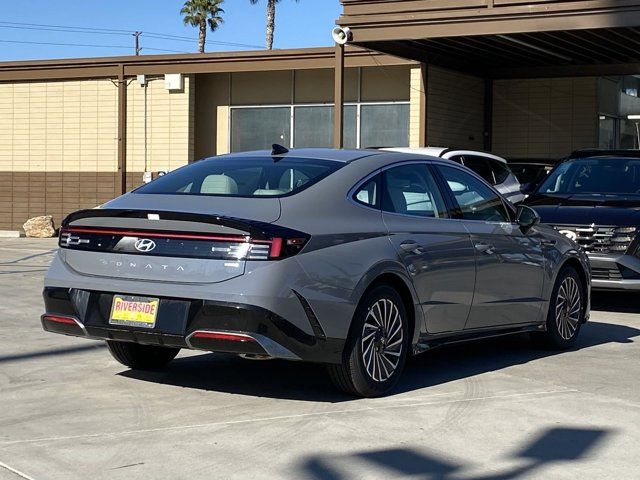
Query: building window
{"x":259,"y":128}
{"x":313,"y":126}
{"x":300,"y":126}
{"x":384,"y":125}
{"x":607,"y":135}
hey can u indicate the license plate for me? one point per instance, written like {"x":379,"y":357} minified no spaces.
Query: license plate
{"x":134,"y":311}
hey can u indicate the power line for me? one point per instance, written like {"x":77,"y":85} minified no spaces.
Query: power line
{"x":60,"y":30}
{"x":88,"y":45}
{"x":108,"y":31}
{"x":190,"y":40}
{"x":67,"y":26}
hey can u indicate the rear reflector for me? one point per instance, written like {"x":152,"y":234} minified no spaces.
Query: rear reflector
{"x":229,"y":337}
{"x":59,"y":319}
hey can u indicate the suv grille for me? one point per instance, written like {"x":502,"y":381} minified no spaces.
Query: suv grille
{"x":598,"y":273}
{"x":594,"y":239}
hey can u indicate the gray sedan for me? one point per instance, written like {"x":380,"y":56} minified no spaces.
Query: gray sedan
{"x":354,"y":259}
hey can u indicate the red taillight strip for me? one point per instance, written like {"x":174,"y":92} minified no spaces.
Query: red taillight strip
{"x":230,"y":337}
{"x":276,"y":247}
{"x":60,"y":319}
{"x":141,"y":233}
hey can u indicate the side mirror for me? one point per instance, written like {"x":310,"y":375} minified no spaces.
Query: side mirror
{"x":527,"y":218}
{"x":528,"y":188}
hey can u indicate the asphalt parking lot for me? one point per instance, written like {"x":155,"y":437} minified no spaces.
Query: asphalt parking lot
{"x":491,"y":410}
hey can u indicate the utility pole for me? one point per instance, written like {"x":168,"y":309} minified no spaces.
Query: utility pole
{"x":136,"y":37}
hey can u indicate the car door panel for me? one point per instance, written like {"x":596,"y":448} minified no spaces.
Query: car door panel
{"x":440,"y":259}
{"x":509,"y":263}
{"x":509,"y":276}
{"x":436,"y":251}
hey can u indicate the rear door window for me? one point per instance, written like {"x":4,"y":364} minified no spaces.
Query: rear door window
{"x":243,"y":177}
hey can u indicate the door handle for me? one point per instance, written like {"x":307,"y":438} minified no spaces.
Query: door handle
{"x":409,"y":245}
{"x":485,"y":248}
{"x":548,"y":243}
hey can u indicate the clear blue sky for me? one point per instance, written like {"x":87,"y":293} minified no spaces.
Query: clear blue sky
{"x":307,"y":23}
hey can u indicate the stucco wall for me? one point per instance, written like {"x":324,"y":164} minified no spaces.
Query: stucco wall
{"x":59,"y":143}
{"x":544,"y":118}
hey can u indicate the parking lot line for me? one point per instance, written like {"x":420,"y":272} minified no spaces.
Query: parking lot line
{"x":286,"y":417}
{"x":16,"y":472}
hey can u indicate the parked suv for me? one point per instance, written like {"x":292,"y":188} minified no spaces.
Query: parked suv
{"x":354,"y":259}
{"x":493,"y":169}
{"x":593,"y":197}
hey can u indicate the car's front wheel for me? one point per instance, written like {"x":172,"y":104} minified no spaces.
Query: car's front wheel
{"x":566,"y":311}
{"x":377,"y":349}
{"x":143,"y":357}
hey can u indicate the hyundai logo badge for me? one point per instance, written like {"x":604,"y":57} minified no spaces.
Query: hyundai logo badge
{"x":145,"y":245}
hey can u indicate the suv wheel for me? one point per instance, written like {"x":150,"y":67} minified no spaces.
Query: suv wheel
{"x":144,"y":357}
{"x":566,"y":311}
{"x":377,"y":349}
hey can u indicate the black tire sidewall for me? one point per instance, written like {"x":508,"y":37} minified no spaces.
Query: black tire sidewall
{"x":363,"y":383}
{"x":552,"y":333}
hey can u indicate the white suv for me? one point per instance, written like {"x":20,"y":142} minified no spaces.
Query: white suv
{"x":492,"y":168}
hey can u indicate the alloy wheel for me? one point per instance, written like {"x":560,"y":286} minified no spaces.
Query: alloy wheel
{"x":382,"y":340}
{"x":568,"y":308}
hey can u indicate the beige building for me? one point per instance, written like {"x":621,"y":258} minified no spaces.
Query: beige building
{"x":76,"y":133}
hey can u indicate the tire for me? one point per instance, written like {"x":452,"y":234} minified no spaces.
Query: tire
{"x":566,"y":312}
{"x":376,"y":351}
{"x":142,"y":357}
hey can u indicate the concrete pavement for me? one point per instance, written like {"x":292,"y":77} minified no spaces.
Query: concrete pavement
{"x":492,"y":410}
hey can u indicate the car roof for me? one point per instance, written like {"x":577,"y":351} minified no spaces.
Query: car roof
{"x":602,"y":153}
{"x":441,"y":151}
{"x":344,"y":156}
{"x":433,"y":151}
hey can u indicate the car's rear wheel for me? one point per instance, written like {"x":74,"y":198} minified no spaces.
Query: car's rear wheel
{"x":377,"y":349}
{"x":143,"y":357}
{"x":566,"y":311}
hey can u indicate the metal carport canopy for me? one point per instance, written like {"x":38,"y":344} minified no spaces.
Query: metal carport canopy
{"x":503,"y":38}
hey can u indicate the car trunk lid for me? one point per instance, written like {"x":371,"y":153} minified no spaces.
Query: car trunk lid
{"x":168,"y":245}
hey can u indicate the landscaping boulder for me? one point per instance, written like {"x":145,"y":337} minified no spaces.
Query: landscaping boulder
{"x":39,"y":227}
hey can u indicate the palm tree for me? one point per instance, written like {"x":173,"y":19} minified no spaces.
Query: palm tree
{"x":199,"y":13}
{"x":271,"y":20}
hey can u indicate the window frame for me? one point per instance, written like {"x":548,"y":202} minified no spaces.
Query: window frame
{"x":293,"y":106}
{"x":351,"y":196}
{"x":457,"y":213}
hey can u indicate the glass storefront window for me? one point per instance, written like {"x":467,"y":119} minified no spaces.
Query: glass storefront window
{"x":628,"y":134}
{"x":350,"y":127}
{"x":384,"y":125}
{"x":607,"y":134}
{"x":259,"y":128}
{"x":313,"y":126}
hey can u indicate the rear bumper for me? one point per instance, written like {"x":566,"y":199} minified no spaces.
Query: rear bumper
{"x":187,"y":323}
{"x":615,"y":272}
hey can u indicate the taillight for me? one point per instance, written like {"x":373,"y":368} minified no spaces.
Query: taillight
{"x":282,"y":243}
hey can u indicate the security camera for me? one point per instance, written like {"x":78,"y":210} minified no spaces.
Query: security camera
{"x":342,"y":35}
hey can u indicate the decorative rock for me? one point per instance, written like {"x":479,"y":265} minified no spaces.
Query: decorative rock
{"x":40,"y":227}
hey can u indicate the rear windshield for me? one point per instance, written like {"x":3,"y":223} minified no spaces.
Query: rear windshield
{"x":603,"y":176}
{"x":243,"y":177}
